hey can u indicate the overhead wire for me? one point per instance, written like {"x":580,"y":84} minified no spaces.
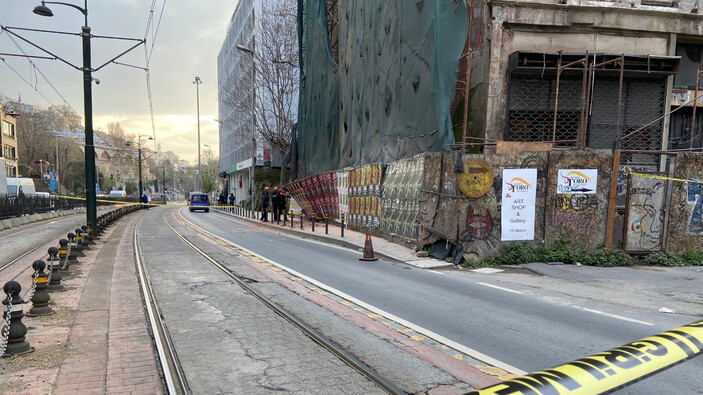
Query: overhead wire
{"x":34,"y":69}
{"x":147,"y":59}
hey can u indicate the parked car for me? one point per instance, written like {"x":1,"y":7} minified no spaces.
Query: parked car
{"x":199,"y":201}
{"x":118,"y":194}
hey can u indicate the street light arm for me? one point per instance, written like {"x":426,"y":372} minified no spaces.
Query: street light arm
{"x":83,"y":11}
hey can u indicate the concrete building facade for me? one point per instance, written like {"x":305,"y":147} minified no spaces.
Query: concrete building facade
{"x":558,"y":71}
{"x":8,"y":143}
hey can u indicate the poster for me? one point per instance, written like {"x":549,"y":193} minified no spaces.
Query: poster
{"x":579,"y":181}
{"x":518,"y":204}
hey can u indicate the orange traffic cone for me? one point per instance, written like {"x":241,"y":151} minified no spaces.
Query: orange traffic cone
{"x":368,"y":250}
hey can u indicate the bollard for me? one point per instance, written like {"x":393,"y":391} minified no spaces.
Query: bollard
{"x":78,"y":237}
{"x":327,"y":218}
{"x":313,"y":221}
{"x":72,"y":257}
{"x":301,"y":220}
{"x":39,"y":297}
{"x":63,"y":264}
{"x":285,"y":218}
{"x":87,"y":235}
{"x":13,"y":332}
{"x":342,"y":224}
{"x":292,"y":217}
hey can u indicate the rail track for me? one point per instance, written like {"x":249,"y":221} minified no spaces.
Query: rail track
{"x":173,"y":373}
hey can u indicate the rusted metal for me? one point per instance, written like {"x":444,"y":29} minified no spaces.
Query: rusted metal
{"x":467,"y":85}
{"x":581,"y":136}
{"x":556,"y":99}
{"x":617,"y":124}
{"x":695,"y":104}
{"x":610,"y":222}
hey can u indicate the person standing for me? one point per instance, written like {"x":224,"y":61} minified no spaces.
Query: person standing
{"x":231,"y":202}
{"x":282,"y":211}
{"x":145,"y":200}
{"x":274,"y":202}
{"x":265,"y":204}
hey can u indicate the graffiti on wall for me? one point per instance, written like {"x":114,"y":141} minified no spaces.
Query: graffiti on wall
{"x":644,"y":218}
{"x":401,"y":194}
{"x":364,"y":187}
{"x":693,"y":196}
{"x":478,"y":226}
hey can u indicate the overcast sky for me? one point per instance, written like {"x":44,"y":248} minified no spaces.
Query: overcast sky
{"x":189,"y":38}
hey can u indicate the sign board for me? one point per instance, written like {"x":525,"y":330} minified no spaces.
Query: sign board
{"x":53,"y":182}
{"x":518,"y":204}
{"x":579,"y":181}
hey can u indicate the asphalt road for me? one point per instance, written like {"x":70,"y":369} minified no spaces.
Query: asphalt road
{"x":527,"y":328}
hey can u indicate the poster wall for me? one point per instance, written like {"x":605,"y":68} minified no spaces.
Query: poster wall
{"x":518,"y":204}
{"x":400,"y":198}
{"x":317,"y":195}
{"x":364,"y":196}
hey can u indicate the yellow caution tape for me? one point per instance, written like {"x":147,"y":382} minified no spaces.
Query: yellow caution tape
{"x":657,"y":177}
{"x":612,"y":369}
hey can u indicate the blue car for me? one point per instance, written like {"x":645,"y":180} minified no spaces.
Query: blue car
{"x":199,"y":201}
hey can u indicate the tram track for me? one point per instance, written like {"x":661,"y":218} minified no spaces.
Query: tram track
{"x":44,"y":243}
{"x":171,"y":363}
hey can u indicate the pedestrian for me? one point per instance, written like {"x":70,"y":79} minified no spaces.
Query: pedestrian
{"x":282,"y":205}
{"x":145,"y":200}
{"x":265,"y":204}
{"x":231,"y":202}
{"x":274,"y":202}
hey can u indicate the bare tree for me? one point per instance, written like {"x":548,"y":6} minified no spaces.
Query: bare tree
{"x":277,"y":76}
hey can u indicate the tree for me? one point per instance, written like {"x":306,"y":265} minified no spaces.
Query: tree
{"x":277,"y":77}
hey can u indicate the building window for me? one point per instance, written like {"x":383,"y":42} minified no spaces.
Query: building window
{"x":11,"y":171}
{"x":8,"y":129}
{"x":9,"y":152}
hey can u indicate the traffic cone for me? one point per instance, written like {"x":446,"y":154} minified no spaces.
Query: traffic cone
{"x":368,"y":250}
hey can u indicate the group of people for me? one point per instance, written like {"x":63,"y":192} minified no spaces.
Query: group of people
{"x":278,"y":204}
{"x":223,"y":199}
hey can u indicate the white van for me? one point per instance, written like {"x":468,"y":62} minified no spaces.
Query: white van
{"x":17,"y":185}
{"x":118,"y":194}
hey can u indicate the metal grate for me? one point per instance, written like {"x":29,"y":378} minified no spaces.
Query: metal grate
{"x":531,"y":110}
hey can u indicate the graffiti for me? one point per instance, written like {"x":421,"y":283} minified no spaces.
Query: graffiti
{"x":535,"y":162}
{"x":577,"y":202}
{"x":695,"y":223}
{"x":478,"y":227}
{"x":573,"y":222}
{"x":644,"y":233}
{"x":693,"y":191}
{"x":497,"y":185}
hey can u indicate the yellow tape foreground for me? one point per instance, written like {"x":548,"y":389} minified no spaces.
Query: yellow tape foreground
{"x":657,"y":177}
{"x":612,"y":369}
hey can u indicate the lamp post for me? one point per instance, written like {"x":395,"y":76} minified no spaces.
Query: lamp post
{"x":253,"y":126}
{"x":197,"y":83}
{"x":139,"y":153}
{"x":90,"y":198}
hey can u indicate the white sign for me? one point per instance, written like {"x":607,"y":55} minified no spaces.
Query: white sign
{"x":581,"y":181}
{"x":518,"y":204}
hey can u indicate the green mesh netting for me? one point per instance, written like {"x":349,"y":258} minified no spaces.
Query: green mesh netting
{"x":390,"y":96}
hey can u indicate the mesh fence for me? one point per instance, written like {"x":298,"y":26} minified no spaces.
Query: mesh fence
{"x":531,"y":115}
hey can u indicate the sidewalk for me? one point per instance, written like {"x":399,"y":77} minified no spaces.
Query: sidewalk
{"x":97,"y":342}
{"x":352,"y":239}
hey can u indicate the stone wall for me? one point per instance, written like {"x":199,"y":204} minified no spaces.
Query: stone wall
{"x":685,"y":228}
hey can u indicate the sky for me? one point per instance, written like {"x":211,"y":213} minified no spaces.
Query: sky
{"x":189,"y":37}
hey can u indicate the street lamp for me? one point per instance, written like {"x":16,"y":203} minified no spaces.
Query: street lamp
{"x":197,"y":83}
{"x":139,"y":151}
{"x":90,"y":198}
{"x":253,"y":125}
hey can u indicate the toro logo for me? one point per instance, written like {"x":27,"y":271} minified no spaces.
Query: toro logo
{"x":517,"y":184}
{"x":575,"y":181}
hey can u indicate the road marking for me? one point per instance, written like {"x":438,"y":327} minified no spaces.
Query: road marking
{"x":501,"y":288}
{"x":428,"y":333}
{"x":619,"y":317}
{"x":435,"y":272}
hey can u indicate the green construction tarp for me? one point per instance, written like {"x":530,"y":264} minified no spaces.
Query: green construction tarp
{"x":389,"y":97}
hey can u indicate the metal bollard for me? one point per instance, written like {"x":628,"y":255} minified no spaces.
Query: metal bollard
{"x":342,"y":224}
{"x":312,"y":216}
{"x":285,"y":218}
{"x":327,"y":219}
{"x":13,"y":332}
{"x":40,"y":298}
{"x":79,"y":243}
{"x":72,"y":253}
{"x":301,"y":220}
{"x":292,"y":217}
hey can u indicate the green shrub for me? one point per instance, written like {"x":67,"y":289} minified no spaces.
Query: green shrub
{"x":604,"y":257}
{"x":692,"y":258}
{"x":664,"y":258}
